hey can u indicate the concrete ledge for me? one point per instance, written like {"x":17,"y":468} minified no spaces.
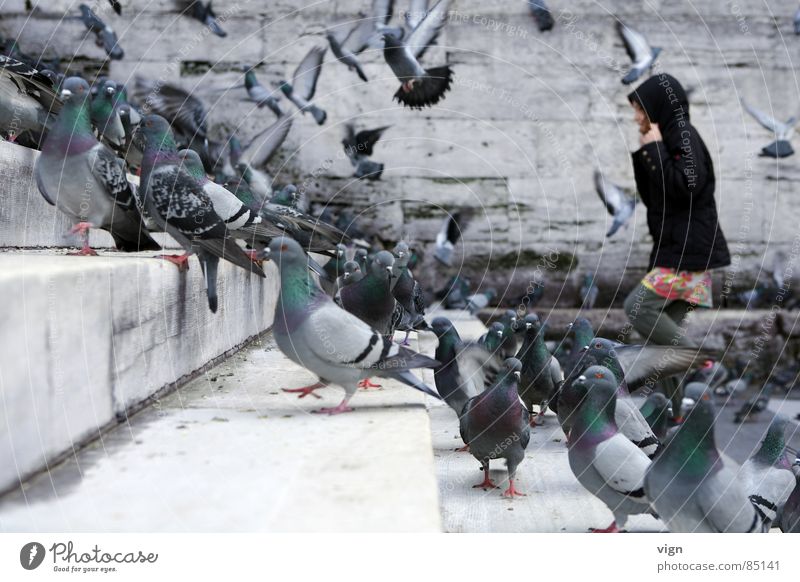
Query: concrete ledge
{"x":86,"y":339}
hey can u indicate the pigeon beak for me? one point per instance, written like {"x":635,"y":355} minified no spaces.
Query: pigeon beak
{"x":585,"y":349}
{"x":66,"y":94}
{"x":265,"y":255}
{"x":528,"y":326}
{"x":389,"y":269}
{"x":110,"y":90}
{"x":582,"y":378}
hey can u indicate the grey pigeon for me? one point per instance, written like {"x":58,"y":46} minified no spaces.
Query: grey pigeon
{"x":105,"y":115}
{"x":343,"y":53}
{"x":420,"y":87}
{"x":495,"y":425}
{"x":606,"y":463}
{"x":448,"y":236}
{"x":417,"y":11}
{"x":116,"y":6}
{"x":407,"y":292}
{"x":85,"y":180}
{"x":28,"y":100}
{"x":358,"y":147}
{"x":262,"y":147}
{"x":639,"y":50}
{"x":334,"y":269}
{"x":370,"y":299}
{"x":767,"y":475}
{"x":656,"y":410}
{"x":541,"y":373}
{"x":203,"y":12}
{"x":312,"y":331}
{"x":541,"y":14}
{"x":259,"y":94}
{"x":619,"y":204}
{"x":304,"y":82}
{"x":789,"y":520}
{"x":104,"y":35}
{"x":692,"y":489}
{"x":492,"y":340}
{"x":463,"y":367}
{"x":588,"y":292}
{"x":178,"y":205}
{"x":693,"y":392}
{"x":755,"y":405}
{"x":783,"y":131}
{"x":351,"y":273}
{"x":478,"y":301}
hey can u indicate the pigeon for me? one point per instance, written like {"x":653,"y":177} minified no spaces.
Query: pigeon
{"x":351,"y":273}
{"x":534,"y":292}
{"x":657,"y":412}
{"x":370,"y":299}
{"x":693,"y":392}
{"x":478,"y":301}
{"x":448,"y":236}
{"x":541,"y":373}
{"x":420,"y":87}
{"x":259,"y":150}
{"x":541,"y":14}
{"x":105,"y":116}
{"x":104,"y":35}
{"x":495,"y":425}
{"x":781,"y":147}
{"x":580,"y":334}
{"x":767,"y":475}
{"x":334,"y":269}
{"x":639,"y":51}
{"x":692,"y":489}
{"x":492,"y":340}
{"x":754,"y":405}
{"x":28,"y":100}
{"x":312,"y":331}
{"x":417,"y":11}
{"x":712,"y":373}
{"x":455,"y":294}
{"x":606,"y":463}
{"x":619,"y":204}
{"x":358,"y":147}
{"x":205,"y":14}
{"x":789,"y":520}
{"x":178,"y":205}
{"x":116,"y":6}
{"x":362,"y":258}
{"x":407,"y":292}
{"x":463,"y":366}
{"x":588,"y":292}
{"x":304,"y":83}
{"x":85,"y":180}
{"x":511,"y":326}
{"x":344,"y":55}
{"x":258,"y":94}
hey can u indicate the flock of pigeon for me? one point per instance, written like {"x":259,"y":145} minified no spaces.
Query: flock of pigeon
{"x":142,"y":166}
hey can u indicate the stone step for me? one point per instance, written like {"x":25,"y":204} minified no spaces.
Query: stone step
{"x":87,"y":340}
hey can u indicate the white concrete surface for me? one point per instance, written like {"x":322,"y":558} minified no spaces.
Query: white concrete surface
{"x":231,"y":452}
{"x":86,"y":338}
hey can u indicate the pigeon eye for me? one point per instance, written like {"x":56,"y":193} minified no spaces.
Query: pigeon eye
{"x":599,"y":375}
{"x":598,"y":345}
{"x":284,"y":247}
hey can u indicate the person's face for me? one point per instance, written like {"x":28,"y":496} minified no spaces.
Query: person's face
{"x":640,"y":117}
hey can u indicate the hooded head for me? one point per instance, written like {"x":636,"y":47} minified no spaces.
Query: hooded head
{"x":664,"y":101}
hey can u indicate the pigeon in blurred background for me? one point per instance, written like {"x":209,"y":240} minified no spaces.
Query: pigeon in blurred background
{"x":541,"y":14}
{"x":358,"y":147}
{"x":204,"y":13}
{"x":641,"y":54}
{"x":304,"y":84}
{"x":781,"y":147}
{"x":755,"y":405}
{"x":587,"y":294}
{"x":448,"y":236}
{"x":258,"y":94}
{"x":104,"y":35}
{"x":619,"y":204}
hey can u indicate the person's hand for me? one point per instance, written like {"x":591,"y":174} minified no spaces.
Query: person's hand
{"x":653,"y":134}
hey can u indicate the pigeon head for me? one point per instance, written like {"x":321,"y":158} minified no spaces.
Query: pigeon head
{"x":340,"y":250}
{"x":582,"y":330}
{"x":109,"y":88}
{"x":284,"y":251}
{"x":532,"y":323}
{"x":156,"y":134}
{"x":381,"y":266}
{"x":350,"y":269}
{"x":393,"y":37}
{"x":441,"y":326}
{"x":75,"y":90}
{"x":497,"y":328}
{"x":191,"y":162}
{"x":596,"y":390}
{"x":401,"y":249}
{"x":512,"y":365}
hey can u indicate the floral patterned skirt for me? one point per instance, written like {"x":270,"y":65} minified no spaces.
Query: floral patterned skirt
{"x":692,"y":287}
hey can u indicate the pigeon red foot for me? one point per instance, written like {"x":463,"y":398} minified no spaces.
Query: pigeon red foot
{"x":180,"y":261}
{"x":610,"y":529}
{"x":512,"y":491}
{"x":365,"y":383}
{"x":487,"y":483}
{"x":82,"y":228}
{"x":304,"y":391}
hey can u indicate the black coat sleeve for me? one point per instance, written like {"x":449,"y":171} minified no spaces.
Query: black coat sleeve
{"x":679,"y":173}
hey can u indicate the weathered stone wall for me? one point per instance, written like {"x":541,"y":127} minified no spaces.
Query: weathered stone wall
{"x":529,"y":118}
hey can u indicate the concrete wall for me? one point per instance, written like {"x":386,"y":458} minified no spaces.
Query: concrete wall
{"x":529,"y":117}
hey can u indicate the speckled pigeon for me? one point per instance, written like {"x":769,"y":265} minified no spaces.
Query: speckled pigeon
{"x":767,"y":475}
{"x":304,"y":83}
{"x":28,"y":100}
{"x":606,"y":463}
{"x":541,"y":373}
{"x":420,"y":87}
{"x":692,"y":489}
{"x":495,"y":425}
{"x":407,"y":292}
{"x":85,"y":180}
{"x":179,"y":206}
{"x":312,"y":331}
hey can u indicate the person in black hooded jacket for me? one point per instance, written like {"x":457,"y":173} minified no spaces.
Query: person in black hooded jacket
{"x":675,"y":179}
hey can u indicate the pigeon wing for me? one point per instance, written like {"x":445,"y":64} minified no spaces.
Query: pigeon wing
{"x":304,"y":80}
{"x":652,"y":362}
{"x":428,"y":28}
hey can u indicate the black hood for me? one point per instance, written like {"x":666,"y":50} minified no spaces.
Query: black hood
{"x":664,"y":100}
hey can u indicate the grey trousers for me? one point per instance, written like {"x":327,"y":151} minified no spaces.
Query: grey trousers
{"x":660,"y":321}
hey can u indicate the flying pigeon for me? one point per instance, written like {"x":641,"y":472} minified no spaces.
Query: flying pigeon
{"x":417,"y":11}
{"x":463,"y":366}
{"x":781,"y":147}
{"x":448,"y":236}
{"x":312,"y":331}
{"x":358,"y":147}
{"x":657,"y":412}
{"x":420,"y":87}
{"x":692,"y":489}
{"x":116,"y":6}
{"x":85,"y":180}
{"x":104,"y":35}
{"x":606,"y":463}
{"x":541,"y":373}
{"x":495,"y":425}
{"x":259,"y":150}
{"x":541,"y":14}
{"x":258,"y":94}
{"x":343,"y":54}
{"x":767,"y":475}
{"x":587,"y":294}
{"x":639,"y":51}
{"x":754,"y":405}
{"x":179,"y":206}
{"x":619,"y":204}
{"x":204,"y":13}
{"x":105,"y":115}
{"x":304,"y":83}
{"x":28,"y":100}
